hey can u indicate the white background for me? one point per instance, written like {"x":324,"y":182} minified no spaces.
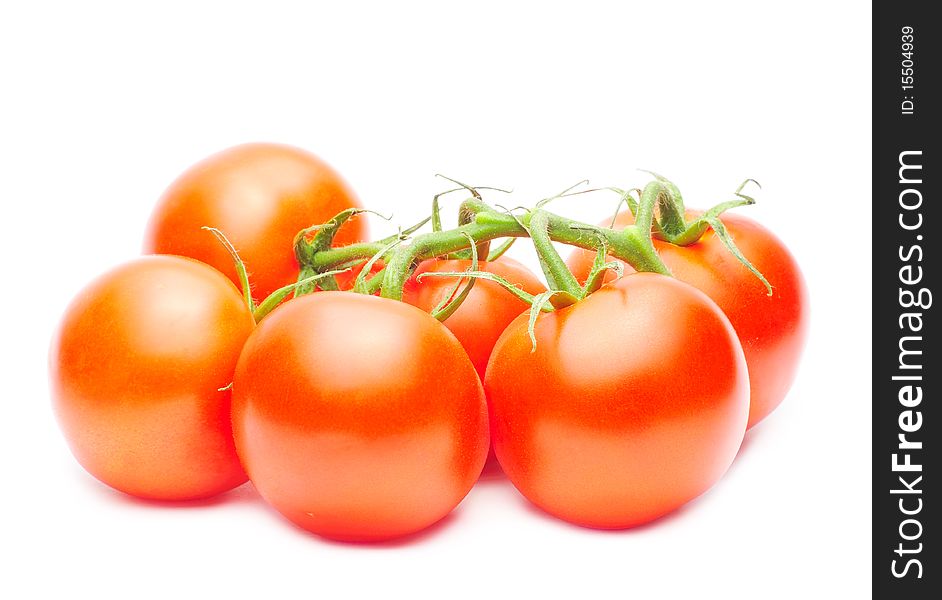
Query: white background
{"x":103,"y":105}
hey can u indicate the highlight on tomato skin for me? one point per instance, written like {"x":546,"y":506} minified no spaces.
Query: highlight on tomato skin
{"x":634,"y":402}
{"x":772,"y":329}
{"x":136,"y":368}
{"x":358,"y":418}
{"x":259,"y":196}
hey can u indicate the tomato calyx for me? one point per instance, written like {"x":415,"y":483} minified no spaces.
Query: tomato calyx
{"x":318,"y":238}
{"x":671,"y":226}
{"x":309,"y":247}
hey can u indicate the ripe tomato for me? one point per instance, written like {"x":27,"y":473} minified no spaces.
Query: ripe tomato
{"x":260,"y":196}
{"x":634,"y":402}
{"x":487,"y":310}
{"x":357,"y":417}
{"x":772,"y":329}
{"x":136,"y":367}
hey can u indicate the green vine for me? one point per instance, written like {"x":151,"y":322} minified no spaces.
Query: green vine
{"x":658,"y":210}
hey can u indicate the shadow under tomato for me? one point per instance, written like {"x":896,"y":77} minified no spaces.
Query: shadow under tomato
{"x":492,"y":471}
{"x":661,"y":521}
{"x":418,"y":537}
{"x":682,"y":511}
{"x":749,"y":441}
{"x":243,"y":494}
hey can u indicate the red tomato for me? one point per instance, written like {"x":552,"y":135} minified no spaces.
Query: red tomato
{"x":357,"y":417}
{"x":487,"y":310}
{"x":260,"y":196}
{"x":772,"y":329}
{"x":634,"y":402}
{"x":136,"y":368}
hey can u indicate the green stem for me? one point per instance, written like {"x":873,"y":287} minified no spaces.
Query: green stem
{"x":482,"y":223}
{"x":673,"y":228}
{"x":659,"y":212}
{"x":499,"y":251}
{"x":239,"y":267}
{"x":404,"y":260}
{"x":632,"y":244}
{"x":278,"y":296}
{"x":558,"y":275}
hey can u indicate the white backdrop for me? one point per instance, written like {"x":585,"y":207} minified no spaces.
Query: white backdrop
{"x":104,"y":104}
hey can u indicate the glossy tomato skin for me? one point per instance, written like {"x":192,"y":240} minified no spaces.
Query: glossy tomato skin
{"x":487,"y":310}
{"x":634,"y":402}
{"x":772,"y":329}
{"x":357,"y":417}
{"x":260,"y":196}
{"x":135,"y":372}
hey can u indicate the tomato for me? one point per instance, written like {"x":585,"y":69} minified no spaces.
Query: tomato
{"x":260,"y":196}
{"x":136,"y":367}
{"x":359,"y":418}
{"x":487,"y":310}
{"x":634,"y":402}
{"x":772,"y":329}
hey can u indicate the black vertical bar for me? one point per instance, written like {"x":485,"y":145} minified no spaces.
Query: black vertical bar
{"x":907,"y":370}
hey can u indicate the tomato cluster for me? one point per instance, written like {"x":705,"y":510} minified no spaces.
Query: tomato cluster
{"x":365,"y":414}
